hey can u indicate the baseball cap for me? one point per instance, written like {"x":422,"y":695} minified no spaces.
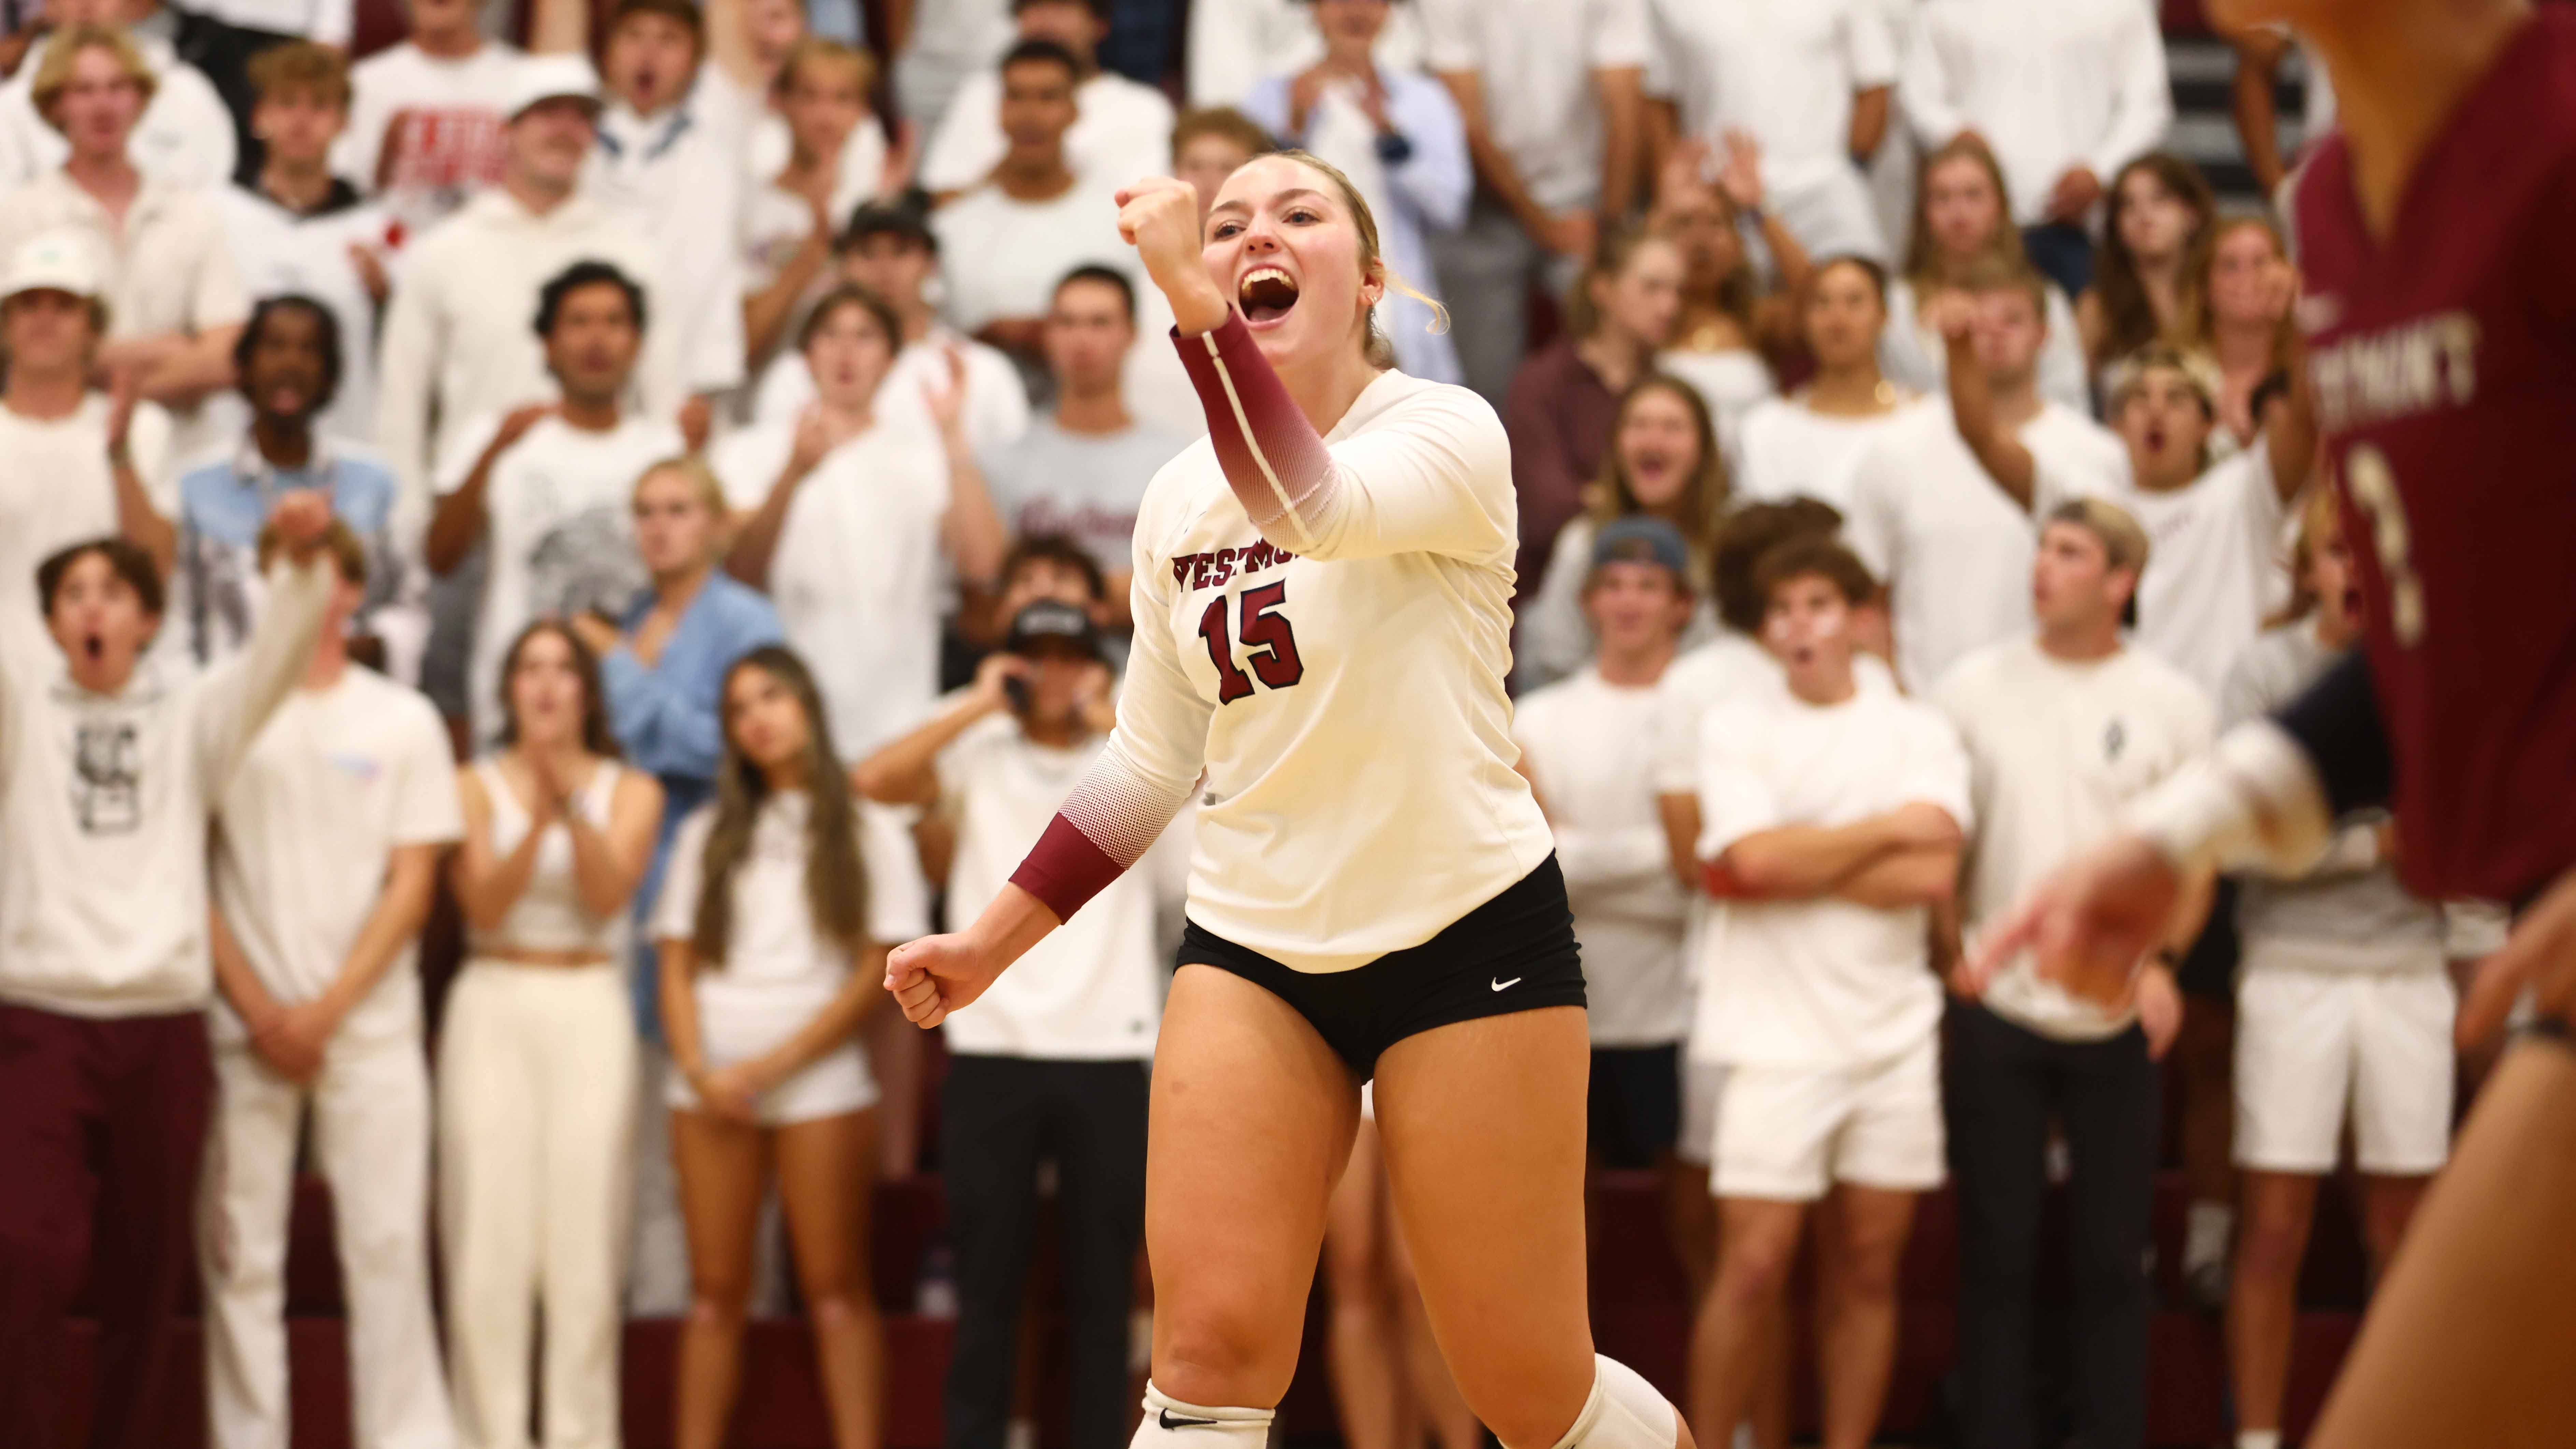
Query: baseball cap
{"x":55,"y":261}
{"x":887,"y":218}
{"x":1049,"y":621}
{"x":539,"y":78}
{"x":1639,"y":539}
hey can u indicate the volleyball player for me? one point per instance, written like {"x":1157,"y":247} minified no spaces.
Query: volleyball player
{"x":1322,"y":607}
{"x":2441,"y":321}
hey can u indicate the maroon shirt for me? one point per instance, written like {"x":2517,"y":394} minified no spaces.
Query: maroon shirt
{"x":1558,"y":415}
{"x":2444,"y":357}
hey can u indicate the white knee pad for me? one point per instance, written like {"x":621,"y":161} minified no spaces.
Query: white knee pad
{"x":1171,"y":1424}
{"x":1623,"y":1412}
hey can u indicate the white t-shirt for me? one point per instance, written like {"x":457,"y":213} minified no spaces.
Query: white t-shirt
{"x":2057,"y":748}
{"x":1536,"y":59}
{"x":1090,"y":991}
{"x":1234,"y":43}
{"x":778,"y":971}
{"x":997,"y":405}
{"x":56,"y":490}
{"x":2050,"y":84}
{"x":682,"y":176}
{"x":424,"y":131}
{"x":1786,"y":70}
{"x":858,"y":570}
{"x":341,"y":778}
{"x":1730,"y":668}
{"x":1002,"y":258}
{"x":560,"y":533}
{"x":1785,"y":449}
{"x":2213,"y":550}
{"x":1824,"y":983}
{"x":1122,"y":131}
{"x":1359,"y":794}
{"x":1589,"y":744}
{"x":1953,"y":549}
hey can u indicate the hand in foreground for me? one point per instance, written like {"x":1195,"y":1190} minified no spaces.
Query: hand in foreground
{"x":2540,"y":956}
{"x":732,"y":1092}
{"x":292,"y":1041}
{"x":2089,"y":924}
{"x":936,"y":975}
{"x":2160,"y":1009}
{"x":301,"y":516}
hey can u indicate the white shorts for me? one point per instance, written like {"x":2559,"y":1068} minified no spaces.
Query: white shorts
{"x":2312,"y":1044}
{"x":1701,"y":1081}
{"x":838,"y":1081}
{"x":1788,"y":1133}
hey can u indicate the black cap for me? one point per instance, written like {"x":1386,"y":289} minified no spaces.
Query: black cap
{"x":884,"y":218}
{"x":1050,"y":622}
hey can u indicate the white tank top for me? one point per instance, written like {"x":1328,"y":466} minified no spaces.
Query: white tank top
{"x":548,"y":915}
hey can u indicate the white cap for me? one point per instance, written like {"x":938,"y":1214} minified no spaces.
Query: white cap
{"x":56,"y":261}
{"x":539,"y":78}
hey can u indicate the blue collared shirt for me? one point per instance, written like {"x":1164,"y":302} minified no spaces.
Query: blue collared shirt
{"x":225,"y":502}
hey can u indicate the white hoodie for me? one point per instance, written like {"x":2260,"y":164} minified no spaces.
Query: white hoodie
{"x":104,"y":807}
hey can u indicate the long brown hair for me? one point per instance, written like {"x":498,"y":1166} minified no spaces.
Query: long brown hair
{"x":836,"y":888}
{"x":596,"y":736}
{"x":2194,"y":329}
{"x":2129,"y":320}
{"x":1703,"y":498}
{"x":1923,"y":266}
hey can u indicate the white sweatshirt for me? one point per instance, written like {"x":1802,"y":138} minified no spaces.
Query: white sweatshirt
{"x":105,"y":801}
{"x":460,"y":338}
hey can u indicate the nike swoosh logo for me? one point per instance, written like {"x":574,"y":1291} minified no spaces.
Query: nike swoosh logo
{"x":1170,"y":1423}
{"x":1499,"y":985}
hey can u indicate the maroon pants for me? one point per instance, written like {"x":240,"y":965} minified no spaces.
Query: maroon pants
{"x":101,"y":1122}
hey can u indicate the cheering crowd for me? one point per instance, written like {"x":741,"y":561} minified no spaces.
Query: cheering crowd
{"x":660,"y":501}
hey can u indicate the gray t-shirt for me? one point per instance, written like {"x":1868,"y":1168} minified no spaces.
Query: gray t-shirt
{"x":1085,"y":485}
{"x":2349,"y":914}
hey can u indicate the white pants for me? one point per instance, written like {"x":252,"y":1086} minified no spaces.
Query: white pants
{"x":536,"y":1131}
{"x":2314,"y":1045}
{"x":371,"y":1138}
{"x":1790,"y":1133}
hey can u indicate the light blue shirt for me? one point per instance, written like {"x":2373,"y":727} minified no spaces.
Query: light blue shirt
{"x":670,"y":721}
{"x":223,"y":505}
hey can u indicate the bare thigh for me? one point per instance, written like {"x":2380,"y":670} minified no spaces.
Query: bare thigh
{"x":1251,"y":1124}
{"x":823,"y":1181}
{"x":1483,"y":1126}
{"x":723,"y":1169}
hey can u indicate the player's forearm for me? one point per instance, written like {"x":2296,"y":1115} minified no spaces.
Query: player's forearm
{"x":1273,"y":459}
{"x":2257,"y":800}
{"x":2257,"y":120}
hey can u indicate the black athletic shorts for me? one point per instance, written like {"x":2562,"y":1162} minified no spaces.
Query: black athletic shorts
{"x":1515,"y":952}
{"x":1636,"y":1104}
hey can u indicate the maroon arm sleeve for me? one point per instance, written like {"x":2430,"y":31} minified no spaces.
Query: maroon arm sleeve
{"x":1064,"y":869}
{"x":1273,"y":458}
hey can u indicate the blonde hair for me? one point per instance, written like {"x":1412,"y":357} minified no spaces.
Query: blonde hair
{"x":54,"y":72}
{"x":822,"y":49}
{"x":1379,"y":347}
{"x":703,"y":484}
{"x":2194,"y":327}
{"x":2124,"y":543}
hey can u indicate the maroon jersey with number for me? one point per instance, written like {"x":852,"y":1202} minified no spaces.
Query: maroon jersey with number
{"x":2444,"y":357}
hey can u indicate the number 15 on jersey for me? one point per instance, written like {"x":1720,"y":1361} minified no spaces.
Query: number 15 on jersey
{"x":1270,"y":645}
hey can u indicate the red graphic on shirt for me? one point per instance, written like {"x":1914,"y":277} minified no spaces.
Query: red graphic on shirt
{"x":436,"y":149}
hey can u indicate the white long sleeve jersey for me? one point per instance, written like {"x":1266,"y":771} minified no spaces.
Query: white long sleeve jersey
{"x":1336,"y":670}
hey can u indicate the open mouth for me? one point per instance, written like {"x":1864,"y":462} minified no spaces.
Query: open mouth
{"x":2352,"y":601}
{"x":1265,"y":294}
{"x":93,"y":647}
{"x":2155,"y":440}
